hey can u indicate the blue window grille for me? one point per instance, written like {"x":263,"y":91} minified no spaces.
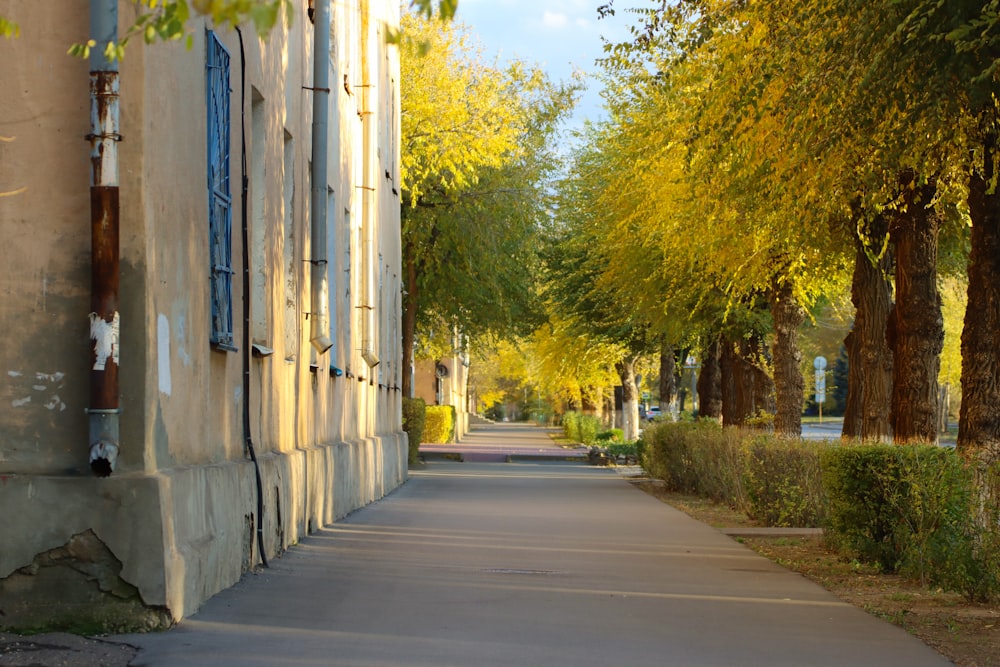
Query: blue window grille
{"x":220,"y":202}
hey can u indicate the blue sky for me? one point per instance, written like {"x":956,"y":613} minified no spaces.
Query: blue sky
{"x":559,"y":35}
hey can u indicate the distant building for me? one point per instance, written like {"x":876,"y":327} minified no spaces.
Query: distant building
{"x":445,"y":381}
{"x":179,"y":518}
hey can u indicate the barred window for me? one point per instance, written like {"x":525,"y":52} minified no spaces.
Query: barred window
{"x":219,"y":197}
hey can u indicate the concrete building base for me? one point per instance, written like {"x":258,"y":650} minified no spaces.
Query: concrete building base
{"x":155,"y":546}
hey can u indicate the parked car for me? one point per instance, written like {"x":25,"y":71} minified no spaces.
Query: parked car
{"x":653,"y":412}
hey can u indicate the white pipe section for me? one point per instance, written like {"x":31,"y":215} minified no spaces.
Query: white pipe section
{"x":369,"y":119}
{"x":319,"y":318}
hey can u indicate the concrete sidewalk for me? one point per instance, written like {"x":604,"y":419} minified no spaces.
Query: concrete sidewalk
{"x":514,"y":564}
{"x":505,"y":442}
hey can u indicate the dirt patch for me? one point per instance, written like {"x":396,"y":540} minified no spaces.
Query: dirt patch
{"x":62,"y":649}
{"x":966,"y":633}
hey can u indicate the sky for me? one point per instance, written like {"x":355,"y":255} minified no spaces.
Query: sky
{"x":561,"y":36}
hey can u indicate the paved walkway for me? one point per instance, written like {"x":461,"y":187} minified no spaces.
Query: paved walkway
{"x":526,"y":564}
{"x":497,"y":443}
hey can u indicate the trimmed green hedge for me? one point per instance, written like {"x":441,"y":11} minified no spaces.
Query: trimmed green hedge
{"x":581,"y":428}
{"x":439,"y":424}
{"x":783,"y":481}
{"x":910,"y":509}
{"x":414,"y":415}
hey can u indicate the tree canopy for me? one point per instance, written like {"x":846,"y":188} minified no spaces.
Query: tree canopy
{"x":478,"y":142}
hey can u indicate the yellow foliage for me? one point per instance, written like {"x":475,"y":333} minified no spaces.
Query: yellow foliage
{"x":460,"y":115}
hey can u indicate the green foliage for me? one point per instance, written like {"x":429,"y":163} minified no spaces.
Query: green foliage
{"x":911,"y":509}
{"x":9,"y":29}
{"x":630,"y":450}
{"x":439,"y":424}
{"x":581,"y":428}
{"x":698,"y":458}
{"x":784,"y":482}
{"x":414,"y":419}
{"x":168,"y":20}
{"x":611,"y":435}
{"x":914,"y":509}
{"x":476,"y":161}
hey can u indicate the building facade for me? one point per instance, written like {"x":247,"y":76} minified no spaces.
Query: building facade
{"x":255,"y":343}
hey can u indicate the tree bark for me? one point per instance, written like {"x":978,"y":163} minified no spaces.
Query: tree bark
{"x":789,"y":385}
{"x":729,"y":369}
{"x":710,"y":384}
{"x":916,"y":328}
{"x":409,"y":317}
{"x":668,"y":386}
{"x":979,"y":418}
{"x":762,"y":398}
{"x":851,"y":429}
{"x":869,"y":394}
{"x":746,"y":386}
{"x":630,"y":403}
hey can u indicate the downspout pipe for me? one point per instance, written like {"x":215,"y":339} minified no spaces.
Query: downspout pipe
{"x":319,"y":318}
{"x":368,"y":197}
{"x":104,"y":409}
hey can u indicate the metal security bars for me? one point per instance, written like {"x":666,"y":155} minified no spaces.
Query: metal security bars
{"x":219,"y":196}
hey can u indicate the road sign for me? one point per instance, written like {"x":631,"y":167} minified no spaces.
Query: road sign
{"x":820,"y":386}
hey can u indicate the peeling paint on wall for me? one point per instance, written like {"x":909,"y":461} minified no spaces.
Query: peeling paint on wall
{"x":105,"y":337}
{"x":44,"y":383}
{"x":163,"y":353}
{"x":55,"y":403}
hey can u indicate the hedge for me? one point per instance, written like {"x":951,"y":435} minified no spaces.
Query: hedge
{"x":414,"y":416}
{"x":913,"y":509}
{"x":580,"y":427}
{"x":439,"y":424}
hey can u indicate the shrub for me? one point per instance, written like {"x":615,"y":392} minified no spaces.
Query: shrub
{"x":774,"y":481}
{"x":414,"y":412}
{"x":627,"y":449}
{"x":917,"y":510}
{"x":784,"y":482}
{"x":581,"y":428}
{"x":611,"y":435}
{"x":699,"y":458}
{"x":439,"y":424}
{"x":905,"y":508}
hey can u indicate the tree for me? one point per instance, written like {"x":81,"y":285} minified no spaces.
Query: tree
{"x":475,"y":164}
{"x":167,"y":20}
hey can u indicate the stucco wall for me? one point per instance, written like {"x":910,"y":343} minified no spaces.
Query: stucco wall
{"x":179,"y":514}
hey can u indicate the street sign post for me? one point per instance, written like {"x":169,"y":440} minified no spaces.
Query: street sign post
{"x":819,"y":363}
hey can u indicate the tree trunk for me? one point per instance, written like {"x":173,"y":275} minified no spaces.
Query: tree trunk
{"x":745,"y":385}
{"x":789,"y":385}
{"x":915,"y":329}
{"x":979,"y":418}
{"x":710,"y":383}
{"x":409,"y":317}
{"x":851,"y":429}
{"x":630,"y":403}
{"x":728,"y":367}
{"x":668,"y":387}
{"x":762,"y":398}
{"x":869,"y":394}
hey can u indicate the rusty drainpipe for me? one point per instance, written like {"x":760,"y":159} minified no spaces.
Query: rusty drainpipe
{"x":104,"y":318}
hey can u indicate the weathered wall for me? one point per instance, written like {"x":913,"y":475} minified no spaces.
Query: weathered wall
{"x":178,"y":517}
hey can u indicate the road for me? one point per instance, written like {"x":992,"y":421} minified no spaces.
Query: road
{"x":527,"y":563}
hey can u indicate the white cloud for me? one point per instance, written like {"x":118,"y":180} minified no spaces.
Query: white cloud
{"x":554,"y":19}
